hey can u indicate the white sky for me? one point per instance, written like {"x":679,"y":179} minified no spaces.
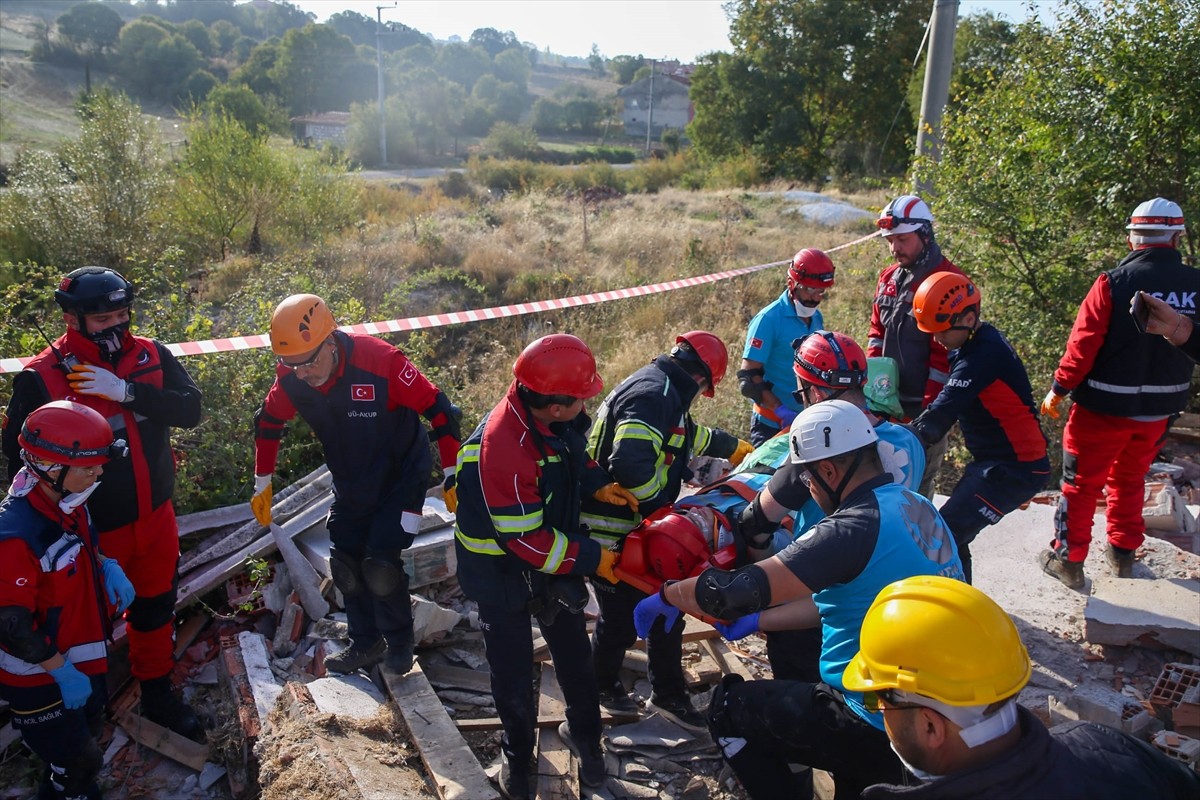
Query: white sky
{"x":680,"y":29}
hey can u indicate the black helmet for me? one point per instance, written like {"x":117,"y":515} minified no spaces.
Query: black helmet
{"x":94,"y":290}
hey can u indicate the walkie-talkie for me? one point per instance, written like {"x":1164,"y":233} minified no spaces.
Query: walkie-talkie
{"x":67,"y":362}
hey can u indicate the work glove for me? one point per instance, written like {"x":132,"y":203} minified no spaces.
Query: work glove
{"x":740,"y":628}
{"x":650,"y":609}
{"x":608,"y":560}
{"x":260,"y":503}
{"x":116,"y":585}
{"x":617,"y":495}
{"x":450,"y":493}
{"x":93,"y":380}
{"x":785,"y":414}
{"x":1051,"y":403}
{"x":744,"y":449}
{"x":74,"y":685}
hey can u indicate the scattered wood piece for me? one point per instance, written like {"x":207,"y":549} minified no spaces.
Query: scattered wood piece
{"x":694,"y":630}
{"x":453,"y":768}
{"x":186,"y":633}
{"x":543,"y":721}
{"x":163,"y":740}
{"x":727,"y":661}
{"x":555,"y":778}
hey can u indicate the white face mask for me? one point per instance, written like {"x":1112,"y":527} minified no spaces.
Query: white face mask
{"x":803,"y":311}
{"x":920,"y":773}
{"x":70,"y":502}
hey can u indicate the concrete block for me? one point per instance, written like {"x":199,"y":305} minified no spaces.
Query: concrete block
{"x":1089,"y":703}
{"x":353,"y":696}
{"x":1179,"y":747}
{"x":1125,"y":612}
{"x":258,"y":671}
{"x":1167,"y":511}
{"x":430,"y":619}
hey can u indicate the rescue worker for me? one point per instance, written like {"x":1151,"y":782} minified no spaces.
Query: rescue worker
{"x":143,"y":391}
{"x":57,"y":595}
{"x":645,"y":437}
{"x":1126,"y":388}
{"x":944,"y":664}
{"x":765,"y":375}
{"x":877,"y":532}
{"x":1178,"y":329}
{"x":828,"y":366}
{"x":906,"y":225}
{"x":521,"y":550}
{"x":364,"y":400}
{"x":989,"y":396}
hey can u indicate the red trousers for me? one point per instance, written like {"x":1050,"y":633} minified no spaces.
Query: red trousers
{"x":1102,"y":451}
{"x":148,"y":552}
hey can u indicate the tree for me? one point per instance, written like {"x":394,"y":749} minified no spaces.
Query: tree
{"x":156,"y":62}
{"x":623,"y":67}
{"x":257,"y":69}
{"x":463,"y":64}
{"x":90,"y":28}
{"x":317,"y":69}
{"x":512,"y":66}
{"x":224,"y":34}
{"x":983,"y":52}
{"x":596,"y":61}
{"x":811,"y":85}
{"x":201,"y":38}
{"x":1043,"y":166}
{"x":494,"y":42}
{"x":237,"y":101}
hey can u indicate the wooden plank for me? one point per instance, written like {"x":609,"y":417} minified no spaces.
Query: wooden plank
{"x":188,"y":631}
{"x":453,"y":768}
{"x":543,"y":721}
{"x":694,"y":630}
{"x":164,"y":741}
{"x":304,"y":576}
{"x":448,"y":677}
{"x":727,"y":661}
{"x":555,"y":778}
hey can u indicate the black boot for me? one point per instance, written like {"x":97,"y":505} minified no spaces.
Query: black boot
{"x":161,"y":705}
{"x":399,"y":657}
{"x":356,"y":657}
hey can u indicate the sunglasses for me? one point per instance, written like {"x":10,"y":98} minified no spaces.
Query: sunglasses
{"x":884,"y":699}
{"x":887,"y":223}
{"x":293,"y":366}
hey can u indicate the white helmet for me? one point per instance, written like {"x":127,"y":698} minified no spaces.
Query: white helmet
{"x":1159,"y":214}
{"x":829,"y":429}
{"x":905,"y":214}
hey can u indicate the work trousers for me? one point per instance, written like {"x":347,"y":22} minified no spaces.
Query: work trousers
{"x":795,"y":655}
{"x":935,"y":454}
{"x":615,"y":634}
{"x":986,"y":492}
{"x":148,"y":551}
{"x":508,"y":637}
{"x":1099,"y":451}
{"x":764,"y":727}
{"x":65,"y":739}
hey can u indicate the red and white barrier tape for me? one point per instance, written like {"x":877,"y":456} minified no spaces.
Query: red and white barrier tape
{"x":233,"y":343}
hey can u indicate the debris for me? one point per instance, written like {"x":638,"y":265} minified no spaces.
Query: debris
{"x":163,"y":740}
{"x":1146,"y":612}
{"x":304,"y":576}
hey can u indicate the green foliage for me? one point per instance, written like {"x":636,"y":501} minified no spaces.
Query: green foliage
{"x":93,"y":202}
{"x":91,"y":28}
{"x":624,"y":67}
{"x":239,"y":102}
{"x":507,"y":140}
{"x":155,"y":60}
{"x":1041,"y":169}
{"x":317,"y":69}
{"x":362,"y":135}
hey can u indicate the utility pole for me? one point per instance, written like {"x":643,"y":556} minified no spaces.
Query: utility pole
{"x":939,"y":63}
{"x":650,"y":114}
{"x":379,"y":80}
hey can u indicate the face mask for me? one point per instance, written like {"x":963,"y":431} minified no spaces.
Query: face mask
{"x":70,"y":502}
{"x":920,"y":773}
{"x":803,"y":311}
{"x":111,"y":339}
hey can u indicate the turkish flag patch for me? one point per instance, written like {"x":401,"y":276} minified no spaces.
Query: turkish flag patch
{"x":408,"y":374}
{"x":362,"y":391}
{"x":756,"y":343}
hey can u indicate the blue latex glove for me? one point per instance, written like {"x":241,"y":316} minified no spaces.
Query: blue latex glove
{"x":650,"y":609}
{"x":785,"y":414}
{"x":116,"y":585}
{"x":74,"y":685}
{"x":740,"y":628}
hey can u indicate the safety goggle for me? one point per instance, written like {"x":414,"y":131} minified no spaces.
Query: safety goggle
{"x":885,"y":698}
{"x":294,"y":366}
{"x":887,"y":223}
{"x":816,"y":277}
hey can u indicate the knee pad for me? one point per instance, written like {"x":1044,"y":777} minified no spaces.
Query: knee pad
{"x":729,"y":595}
{"x":383,"y":576}
{"x":345,"y":573}
{"x":151,"y":613}
{"x":751,"y":389}
{"x":1069,"y":467}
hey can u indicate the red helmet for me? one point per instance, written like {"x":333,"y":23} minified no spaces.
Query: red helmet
{"x":830,"y":359}
{"x":559,"y":364}
{"x":709,"y":350}
{"x":810,"y":268}
{"x":675,"y":546}
{"x":65,"y":432}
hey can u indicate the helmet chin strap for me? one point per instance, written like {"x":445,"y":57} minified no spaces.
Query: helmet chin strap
{"x":835,"y":495}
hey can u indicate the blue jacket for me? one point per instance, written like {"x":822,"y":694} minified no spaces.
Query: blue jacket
{"x":769,"y":342}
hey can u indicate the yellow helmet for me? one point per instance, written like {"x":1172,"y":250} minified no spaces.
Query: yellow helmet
{"x":941,"y":638}
{"x":299,"y":325}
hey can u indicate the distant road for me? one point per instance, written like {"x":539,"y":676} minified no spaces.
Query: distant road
{"x":406,"y":172}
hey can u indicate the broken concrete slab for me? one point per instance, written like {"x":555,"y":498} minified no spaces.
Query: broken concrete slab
{"x":257,"y":660}
{"x":654,"y":731}
{"x":352,"y":696}
{"x":1144,"y":612}
{"x":430,"y":619}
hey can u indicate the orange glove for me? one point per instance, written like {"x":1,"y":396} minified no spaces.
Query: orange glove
{"x":608,"y":560}
{"x":744,"y":449}
{"x":260,"y":502}
{"x":451,"y":497}
{"x":616,"y":494}
{"x":1051,"y":403}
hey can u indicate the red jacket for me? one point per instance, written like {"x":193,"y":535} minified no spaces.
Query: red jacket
{"x":49,"y":569}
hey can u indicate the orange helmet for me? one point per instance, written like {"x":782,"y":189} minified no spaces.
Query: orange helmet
{"x":559,"y":364}
{"x":810,"y":268}
{"x":300,"y":324}
{"x":69,"y":433}
{"x":709,"y":350}
{"x":942,"y":299}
